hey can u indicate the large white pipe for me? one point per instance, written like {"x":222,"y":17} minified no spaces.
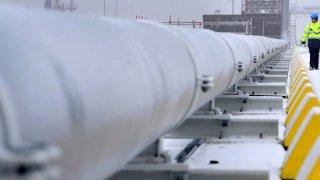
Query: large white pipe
{"x":254,"y":50}
{"x":104,"y":89}
{"x":241,"y":56}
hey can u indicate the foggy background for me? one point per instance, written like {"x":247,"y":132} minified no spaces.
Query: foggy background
{"x":160,"y":10}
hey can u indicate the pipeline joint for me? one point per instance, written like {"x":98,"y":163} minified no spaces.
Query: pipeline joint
{"x":240,"y":66}
{"x":206,"y":82}
{"x":29,"y":161}
{"x":18,"y":159}
{"x":255,"y":59}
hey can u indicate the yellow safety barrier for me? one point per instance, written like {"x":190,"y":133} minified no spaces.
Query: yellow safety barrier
{"x":303,"y":142}
{"x":309,"y":101}
{"x":311,"y":167}
{"x":315,"y":172}
{"x":297,"y":60}
{"x":297,"y":77}
{"x":296,"y":68}
{"x":303,"y":76}
{"x":292,"y":107}
{"x":297,"y":90}
{"x":303,"y":125}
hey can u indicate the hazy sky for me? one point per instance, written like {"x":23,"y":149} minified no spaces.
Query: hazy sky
{"x":159,"y":10}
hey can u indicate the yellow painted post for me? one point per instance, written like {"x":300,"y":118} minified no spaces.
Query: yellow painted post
{"x":303,"y":142}
{"x":309,"y":101}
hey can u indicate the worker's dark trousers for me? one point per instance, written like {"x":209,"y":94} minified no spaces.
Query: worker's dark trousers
{"x":314,"y":57}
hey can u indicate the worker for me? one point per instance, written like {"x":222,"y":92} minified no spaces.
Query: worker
{"x":312,"y":34}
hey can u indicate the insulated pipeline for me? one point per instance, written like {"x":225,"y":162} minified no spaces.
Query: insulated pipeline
{"x":104,"y":89}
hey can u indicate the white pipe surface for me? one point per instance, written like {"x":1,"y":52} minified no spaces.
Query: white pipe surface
{"x":104,"y":89}
{"x":241,"y":56}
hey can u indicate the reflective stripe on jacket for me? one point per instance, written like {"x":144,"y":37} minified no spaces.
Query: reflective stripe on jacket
{"x":312,"y":34}
{"x":312,"y":31}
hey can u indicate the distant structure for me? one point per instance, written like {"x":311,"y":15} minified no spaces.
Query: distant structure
{"x":258,"y":17}
{"x":60,"y":5}
{"x":261,"y":7}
